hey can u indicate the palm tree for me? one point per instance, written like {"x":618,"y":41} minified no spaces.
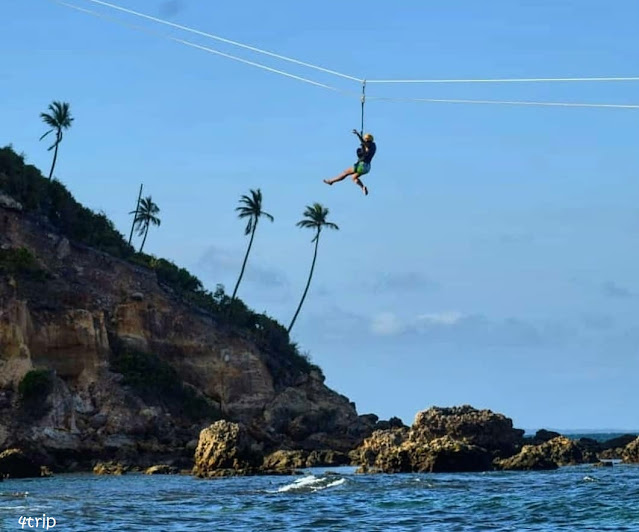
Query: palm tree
{"x":59,"y":119}
{"x":145,"y":215}
{"x":251,"y":208}
{"x":314,"y":218}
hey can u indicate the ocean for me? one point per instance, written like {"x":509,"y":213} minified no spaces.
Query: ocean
{"x":575,"y":498}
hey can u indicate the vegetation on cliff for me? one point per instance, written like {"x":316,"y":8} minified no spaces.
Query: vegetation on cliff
{"x":51,"y":202}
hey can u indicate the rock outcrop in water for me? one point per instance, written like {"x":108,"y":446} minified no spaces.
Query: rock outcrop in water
{"x":559,"y":451}
{"x":466,"y":439}
{"x":630,"y":453}
{"x":441,"y":439}
{"x":101,"y":359}
{"x":227,"y":448}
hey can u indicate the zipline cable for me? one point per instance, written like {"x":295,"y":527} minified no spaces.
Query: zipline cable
{"x":363,"y":96}
{"x":224,"y":40}
{"x":346,"y":76}
{"x":503,"y":80}
{"x":506,"y":102}
{"x":200,"y":47}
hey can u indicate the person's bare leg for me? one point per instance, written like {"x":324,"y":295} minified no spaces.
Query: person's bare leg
{"x":340,"y":177}
{"x":361,"y":185}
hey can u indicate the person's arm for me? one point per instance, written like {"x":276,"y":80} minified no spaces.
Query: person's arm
{"x":361,"y":139}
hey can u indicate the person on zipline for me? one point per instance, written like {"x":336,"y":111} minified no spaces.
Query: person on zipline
{"x":365,"y":154}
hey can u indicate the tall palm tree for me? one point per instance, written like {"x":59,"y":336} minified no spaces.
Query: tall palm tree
{"x":251,"y":208}
{"x":58,"y":119}
{"x":145,"y":215}
{"x":314,"y":218}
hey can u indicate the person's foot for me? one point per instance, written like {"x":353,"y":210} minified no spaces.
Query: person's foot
{"x":328,"y":182}
{"x":365,"y":190}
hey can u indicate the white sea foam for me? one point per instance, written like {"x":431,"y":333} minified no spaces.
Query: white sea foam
{"x":312,"y":483}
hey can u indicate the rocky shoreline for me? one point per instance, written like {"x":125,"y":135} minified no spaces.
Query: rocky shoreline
{"x":456,"y":439}
{"x":113,"y":361}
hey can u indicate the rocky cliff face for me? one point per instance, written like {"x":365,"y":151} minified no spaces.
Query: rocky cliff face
{"x":109,"y":332}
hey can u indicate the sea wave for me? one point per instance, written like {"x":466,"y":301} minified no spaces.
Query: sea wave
{"x":311,"y":483}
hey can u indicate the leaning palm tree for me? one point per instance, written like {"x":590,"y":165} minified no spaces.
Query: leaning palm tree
{"x":145,"y":215}
{"x":314,"y":218}
{"x":58,"y":119}
{"x":251,"y":208}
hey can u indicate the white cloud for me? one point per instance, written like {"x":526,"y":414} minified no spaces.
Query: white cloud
{"x":386,"y":324}
{"x":441,"y":318}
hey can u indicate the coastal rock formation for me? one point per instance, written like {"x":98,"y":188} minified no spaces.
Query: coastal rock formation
{"x":224,"y":449}
{"x":482,"y":428}
{"x":441,"y":439}
{"x":613,"y":449}
{"x":161,"y":469}
{"x":466,"y":439}
{"x":99,"y":360}
{"x":14,"y":463}
{"x":630,"y":453}
{"x":110,"y":468}
{"x":283,"y":460}
{"x":559,"y":451}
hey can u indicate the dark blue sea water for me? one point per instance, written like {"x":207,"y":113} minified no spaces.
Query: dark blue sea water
{"x":576,"y":498}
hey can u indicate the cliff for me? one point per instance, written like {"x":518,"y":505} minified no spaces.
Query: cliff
{"x":102,"y":360}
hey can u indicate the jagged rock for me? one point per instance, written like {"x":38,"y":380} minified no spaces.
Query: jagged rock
{"x":326,"y":458}
{"x":565,"y":451}
{"x":284,"y":461}
{"x":630,"y":453}
{"x":110,"y":468}
{"x":162,"y":469}
{"x":447,"y":455}
{"x":225,"y":448}
{"x":14,"y":463}
{"x":590,"y":449}
{"x":63,"y":248}
{"x":618,"y":442}
{"x":482,"y":428}
{"x":530,"y":458}
{"x":559,"y":451}
{"x":542,"y":436}
{"x":99,"y":420}
{"x":9,"y":203}
{"x":395,"y":451}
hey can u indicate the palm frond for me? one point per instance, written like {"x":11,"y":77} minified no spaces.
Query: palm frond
{"x":46,"y":134}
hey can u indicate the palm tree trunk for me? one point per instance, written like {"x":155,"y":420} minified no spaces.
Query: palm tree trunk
{"x":308,"y":283}
{"x":137,"y":206}
{"x":146,"y":232}
{"x":248,"y":250}
{"x":55,"y":155}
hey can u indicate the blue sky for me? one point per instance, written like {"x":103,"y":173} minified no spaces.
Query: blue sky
{"x":494,"y":262}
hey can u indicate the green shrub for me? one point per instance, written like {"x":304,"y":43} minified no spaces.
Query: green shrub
{"x":158,"y":383}
{"x":21,"y":262}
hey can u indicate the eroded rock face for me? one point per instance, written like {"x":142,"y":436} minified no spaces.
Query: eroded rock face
{"x":483,"y":428}
{"x":559,"y":451}
{"x":14,"y":463}
{"x":630,"y":453}
{"x":90,"y":305}
{"x":401,"y":451}
{"x":110,"y":468}
{"x":530,"y":458}
{"x":226,"y":448}
{"x":161,"y":469}
{"x":465,"y":439}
